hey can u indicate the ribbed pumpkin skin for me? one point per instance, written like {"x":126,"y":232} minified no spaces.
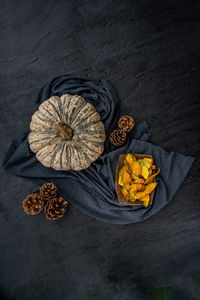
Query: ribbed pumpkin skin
{"x":46,"y":140}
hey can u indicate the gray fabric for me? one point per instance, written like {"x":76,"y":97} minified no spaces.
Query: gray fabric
{"x":93,"y":190}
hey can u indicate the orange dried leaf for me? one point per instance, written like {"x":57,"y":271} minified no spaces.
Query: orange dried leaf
{"x":148,"y":190}
{"x":150,"y":178}
{"x":125,"y":193}
{"x":124,"y":168}
{"x":130,"y":157}
{"x":131,"y":197}
{"x":133,"y":188}
{"x":146,"y":200}
{"x":136,"y":187}
{"x":134,"y":165}
{"x":141,"y":187}
{"x":126,"y":163}
{"x":127,"y":186}
{"x":121,"y":173}
{"x":137,"y":179}
{"x":136,"y":168}
{"x":126,"y":178}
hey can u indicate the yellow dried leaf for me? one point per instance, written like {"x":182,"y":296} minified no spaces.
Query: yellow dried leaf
{"x":144,"y":162}
{"x":150,"y":160}
{"x":145,"y":172}
{"x":120,"y":181}
{"x":146,"y":200}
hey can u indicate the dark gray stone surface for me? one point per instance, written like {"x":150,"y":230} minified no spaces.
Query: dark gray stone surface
{"x":150,"y":51}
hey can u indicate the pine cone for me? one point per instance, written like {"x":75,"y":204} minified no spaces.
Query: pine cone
{"x":117,"y":137}
{"x":48,"y":191}
{"x":33,"y":204}
{"x":55,"y":208}
{"x":126,"y":123}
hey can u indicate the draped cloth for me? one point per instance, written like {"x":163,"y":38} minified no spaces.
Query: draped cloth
{"x":93,"y":190}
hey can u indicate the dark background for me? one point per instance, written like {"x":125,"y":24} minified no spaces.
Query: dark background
{"x":150,"y":51}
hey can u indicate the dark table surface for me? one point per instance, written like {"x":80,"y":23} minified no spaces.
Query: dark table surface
{"x":150,"y":51}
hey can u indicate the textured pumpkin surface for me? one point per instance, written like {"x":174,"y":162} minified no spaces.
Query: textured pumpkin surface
{"x":66,"y":133}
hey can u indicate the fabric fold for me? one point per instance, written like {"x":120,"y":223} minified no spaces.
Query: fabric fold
{"x":93,"y":190}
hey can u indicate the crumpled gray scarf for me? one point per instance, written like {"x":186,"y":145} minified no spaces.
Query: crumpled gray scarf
{"x":93,"y":190}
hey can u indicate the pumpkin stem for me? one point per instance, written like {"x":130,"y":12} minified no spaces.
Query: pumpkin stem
{"x":65,"y":131}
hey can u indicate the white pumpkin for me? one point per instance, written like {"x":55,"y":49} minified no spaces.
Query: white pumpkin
{"x":66,"y":133}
